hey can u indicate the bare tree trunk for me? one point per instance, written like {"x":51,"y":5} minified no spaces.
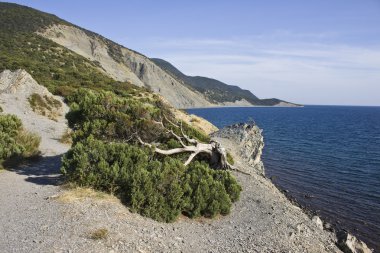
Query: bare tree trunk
{"x":214,"y":151}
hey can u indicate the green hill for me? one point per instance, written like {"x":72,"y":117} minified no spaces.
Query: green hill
{"x":216,"y":91}
{"x":52,"y":65}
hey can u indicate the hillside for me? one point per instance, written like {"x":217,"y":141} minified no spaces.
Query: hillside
{"x":73,"y":54}
{"x":30,"y":37}
{"x":217,"y":91}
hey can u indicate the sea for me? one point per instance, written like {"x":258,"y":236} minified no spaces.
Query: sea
{"x":327,"y":158}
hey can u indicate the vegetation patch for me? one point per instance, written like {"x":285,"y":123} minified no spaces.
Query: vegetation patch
{"x":74,"y":193}
{"x":230,"y":158}
{"x":99,"y":234}
{"x":15,"y":141}
{"x":45,"y":105}
{"x":66,"y":137}
{"x":106,"y":156}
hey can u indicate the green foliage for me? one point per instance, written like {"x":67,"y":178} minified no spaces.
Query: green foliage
{"x":209,"y":192}
{"x":30,"y":143}
{"x":52,"y":65}
{"x":42,"y":103}
{"x":17,"y":18}
{"x":157,"y":189}
{"x":195,"y":133}
{"x":59,"y":69}
{"x":14,"y":141}
{"x":66,"y":137}
{"x":111,"y":117}
{"x":154,"y":186}
{"x":230,"y":159}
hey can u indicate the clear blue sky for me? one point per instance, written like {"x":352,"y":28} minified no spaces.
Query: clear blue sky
{"x":312,"y":52}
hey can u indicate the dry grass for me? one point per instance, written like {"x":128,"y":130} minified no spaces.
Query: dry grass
{"x":45,"y":105}
{"x":31,"y":143}
{"x":195,"y":121}
{"x":230,"y":158}
{"x":66,"y":137}
{"x":99,"y":234}
{"x":73,"y":194}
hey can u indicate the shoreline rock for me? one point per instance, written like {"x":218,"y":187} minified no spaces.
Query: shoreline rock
{"x":250,"y":144}
{"x":350,"y":244}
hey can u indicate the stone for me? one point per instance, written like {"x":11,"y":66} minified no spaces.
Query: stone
{"x":251,"y":144}
{"x":317,"y":221}
{"x":350,"y":244}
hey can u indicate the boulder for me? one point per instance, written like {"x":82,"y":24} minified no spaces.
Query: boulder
{"x":350,"y":244}
{"x":250,"y":143}
{"x":317,"y":221}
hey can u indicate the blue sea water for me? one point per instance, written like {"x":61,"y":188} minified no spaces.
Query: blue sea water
{"x":327,"y":157}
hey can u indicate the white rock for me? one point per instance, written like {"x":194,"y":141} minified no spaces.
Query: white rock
{"x":317,"y":221}
{"x":350,"y":244}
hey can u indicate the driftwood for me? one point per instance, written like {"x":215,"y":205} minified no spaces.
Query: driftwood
{"x":216,"y":154}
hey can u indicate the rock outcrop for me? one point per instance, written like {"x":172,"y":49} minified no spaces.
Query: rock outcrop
{"x":250,"y":144}
{"x":350,"y":244}
{"x":16,"y":89}
{"x":318,"y":222}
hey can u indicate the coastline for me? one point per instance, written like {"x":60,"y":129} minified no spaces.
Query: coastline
{"x":243,"y":106}
{"x":342,"y":238}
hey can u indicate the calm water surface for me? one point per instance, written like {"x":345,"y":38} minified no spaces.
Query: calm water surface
{"x":327,"y":157}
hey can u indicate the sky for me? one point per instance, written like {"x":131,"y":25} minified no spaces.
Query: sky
{"x":310,"y":52}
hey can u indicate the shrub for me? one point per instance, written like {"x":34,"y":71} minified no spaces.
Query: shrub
{"x":66,"y":137}
{"x":14,"y":141}
{"x":30,"y":143}
{"x":159,"y":189}
{"x":106,"y":157}
{"x":230,"y":159}
{"x":44,"y":105}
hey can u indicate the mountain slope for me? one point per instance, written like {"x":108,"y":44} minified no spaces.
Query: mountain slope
{"x":124,"y":64}
{"x":68,"y":53}
{"x":216,"y":91}
{"x":101,"y":60}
